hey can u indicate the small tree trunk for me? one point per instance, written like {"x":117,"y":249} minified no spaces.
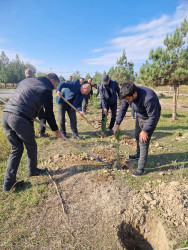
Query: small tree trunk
{"x":174,"y":107}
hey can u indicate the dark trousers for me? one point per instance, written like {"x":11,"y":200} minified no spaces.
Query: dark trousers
{"x":113,"y":109}
{"x":19,"y":131}
{"x":142,"y":147}
{"x":42,"y":118}
{"x":85,"y":103}
{"x":62,"y":108}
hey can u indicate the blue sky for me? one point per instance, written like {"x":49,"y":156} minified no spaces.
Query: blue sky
{"x":64,"y":36}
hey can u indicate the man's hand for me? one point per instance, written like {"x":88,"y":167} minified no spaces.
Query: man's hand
{"x":105,"y":111}
{"x":143,"y":136}
{"x":58,"y":134}
{"x":81,"y":113}
{"x":116,"y":128}
{"x":59,"y":94}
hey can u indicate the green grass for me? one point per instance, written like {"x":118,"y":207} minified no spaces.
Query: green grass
{"x":18,"y":206}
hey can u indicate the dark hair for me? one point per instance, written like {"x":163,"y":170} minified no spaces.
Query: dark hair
{"x":127,"y":89}
{"x":53,"y":76}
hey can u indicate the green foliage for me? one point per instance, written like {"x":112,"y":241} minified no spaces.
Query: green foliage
{"x":87,"y":76}
{"x":76,"y":75}
{"x":62,"y":79}
{"x":12,"y":71}
{"x":39,"y":74}
{"x":97,"y":78}
{"x":118,"y":135}
{"x":95,"y":102}
{"x":103,"y":123}
{"x":168,"y":66}
{"x":123,"y":71}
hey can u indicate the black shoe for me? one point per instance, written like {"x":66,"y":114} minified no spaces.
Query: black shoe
{"x":43,"y":135}
{"x":134,"y":157}
{"x":8,"y":185}
{"x":65,"y":135}
{"x":38,"y":171}
{"x":110,"y":131}
{"x":77,"y":137}
{"x":138,"y":173}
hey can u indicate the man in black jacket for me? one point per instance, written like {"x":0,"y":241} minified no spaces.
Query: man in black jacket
{"x":108,"y":96}
{"x":17,"y":121}
{"x":148,"y":109}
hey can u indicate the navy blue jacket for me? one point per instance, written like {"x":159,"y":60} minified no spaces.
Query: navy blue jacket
{"x":107,"y":100}
{"x":146,"y":106}
{"x":30,"y":95}
{"x":71,"y":92}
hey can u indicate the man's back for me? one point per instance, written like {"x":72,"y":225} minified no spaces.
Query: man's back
{"x":26,"y":99}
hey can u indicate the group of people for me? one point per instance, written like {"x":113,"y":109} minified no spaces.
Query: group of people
{"x":34,"y":95}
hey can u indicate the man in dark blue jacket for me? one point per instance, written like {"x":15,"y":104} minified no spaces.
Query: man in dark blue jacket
{"x":148,"y":109}
{"x":108,"y":95}
{"x":17,"y":121}
{"x":73,"y":92}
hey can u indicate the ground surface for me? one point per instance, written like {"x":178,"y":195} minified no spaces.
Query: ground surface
{"x":98,"y":206}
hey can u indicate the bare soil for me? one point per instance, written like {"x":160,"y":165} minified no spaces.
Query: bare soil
{"x":98,"y":211}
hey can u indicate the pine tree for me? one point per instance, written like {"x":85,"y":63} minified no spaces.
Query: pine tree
{"x":169,"y":66}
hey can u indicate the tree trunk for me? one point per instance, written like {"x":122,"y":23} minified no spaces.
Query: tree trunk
{"x":174,"y":107}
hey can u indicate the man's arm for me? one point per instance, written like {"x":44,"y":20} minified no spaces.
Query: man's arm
{"x":122,"y":111}
{"x":118,"y":90}
{"x":153,"y":112}
{"x":69,"y":85}
{"x":47,"y":100}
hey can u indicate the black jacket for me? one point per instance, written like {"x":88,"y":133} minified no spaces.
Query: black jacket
{"x":30,"y":95}
{"x":108,"y":94}
{"x":146,"y":106}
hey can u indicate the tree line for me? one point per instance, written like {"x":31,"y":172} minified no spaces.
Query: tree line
{"x":166,"y":65}
{"x":13,"y":71}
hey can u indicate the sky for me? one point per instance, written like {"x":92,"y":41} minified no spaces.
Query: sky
{"x":66,"y":36}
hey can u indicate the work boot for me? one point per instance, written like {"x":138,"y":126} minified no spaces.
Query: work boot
{"x":8,"y":185}
{"x":138,"y":173}
{"x":134,"y":157}
{"x":37,"y":171}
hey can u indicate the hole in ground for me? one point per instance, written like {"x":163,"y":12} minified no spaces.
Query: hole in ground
{"x":131,"y":239}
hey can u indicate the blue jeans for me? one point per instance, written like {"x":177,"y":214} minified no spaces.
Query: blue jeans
{"x":19,"y":131}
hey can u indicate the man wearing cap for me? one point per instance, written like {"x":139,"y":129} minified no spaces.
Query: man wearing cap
{"x":146,"y":104}
{"x":73,"y":92}
{"x":108,"y":95}
{"x":17,"y":121}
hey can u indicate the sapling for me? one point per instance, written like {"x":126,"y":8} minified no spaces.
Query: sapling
{"x":118,"y":136}
{"x":103,"y":124}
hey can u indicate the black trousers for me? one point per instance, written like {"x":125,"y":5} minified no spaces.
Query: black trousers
{"x":85,"y":103}
{"x":19,"y":131}
{"x":62,"y":109}
{"x":113,"y":109}
{"x":42,"y":118}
